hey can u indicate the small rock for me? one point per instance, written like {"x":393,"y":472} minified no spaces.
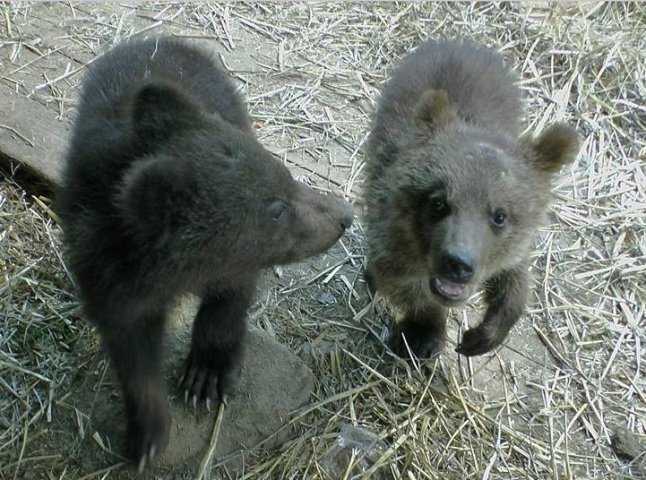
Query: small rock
{"x":317,"y":347}
{"x":326,"y":298}
{"x":366,"y":447}
{"x":627,"y":445}
{"x":278,"y":271}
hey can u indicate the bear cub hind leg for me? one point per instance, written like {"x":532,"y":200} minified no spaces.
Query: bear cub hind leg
{"x":214,"y":363}
{"x":135,"y":351}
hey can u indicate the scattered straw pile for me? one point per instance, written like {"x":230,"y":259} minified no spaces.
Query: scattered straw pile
{"x":573,"y":407}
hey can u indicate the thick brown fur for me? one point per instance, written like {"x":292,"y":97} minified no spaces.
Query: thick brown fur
{"x":453,"y":195}
{"x":166,"y":190}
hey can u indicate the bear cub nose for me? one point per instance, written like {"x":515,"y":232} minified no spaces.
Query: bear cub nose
{"x":458,"y":265}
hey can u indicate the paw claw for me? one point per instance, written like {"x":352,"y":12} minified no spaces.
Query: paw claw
{"x":142,"y":464}
{"x":151,"y":453}
{"x":185,"y":397}
{"x":210,"y":381}
{"x":225,"y":399}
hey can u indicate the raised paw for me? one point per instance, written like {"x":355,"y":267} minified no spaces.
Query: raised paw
{"x":479,"y":340}
{"x":207,"y":382}
{"x":422,"y":341}
{"x":148,"y":434}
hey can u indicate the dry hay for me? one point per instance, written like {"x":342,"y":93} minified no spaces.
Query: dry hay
{"x":312,"y":73}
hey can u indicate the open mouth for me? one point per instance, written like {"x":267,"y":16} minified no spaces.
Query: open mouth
{"x":450,"y":291}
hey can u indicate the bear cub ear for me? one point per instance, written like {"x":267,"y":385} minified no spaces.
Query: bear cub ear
{"x":160,"y":110}
{"x":434,"y":110}
{"x":153,"y":196}
{"x":556,"y":146}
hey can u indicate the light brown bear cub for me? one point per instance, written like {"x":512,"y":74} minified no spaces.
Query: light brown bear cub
{"x":453,"y":194}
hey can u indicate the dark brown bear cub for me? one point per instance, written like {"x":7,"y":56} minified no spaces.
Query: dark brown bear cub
{"x":166,"y":190}
{"x":453,"y":195}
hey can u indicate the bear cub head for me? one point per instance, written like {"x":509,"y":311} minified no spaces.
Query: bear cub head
{"x":467,"y":200}
{"x":207,"y":189}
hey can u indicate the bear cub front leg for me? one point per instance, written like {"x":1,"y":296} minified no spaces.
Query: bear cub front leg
{"x":214,"y":363}
{"x":505,"y":295}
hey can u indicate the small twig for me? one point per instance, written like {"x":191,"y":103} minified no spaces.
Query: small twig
{"x":7,"y":20}
{"x":22,"y":67}
{"x":48,"y":210}
{"x":67,"y":74}
{"x":22,"y":137}
{"x":103,"y":472}
{"x":206,"y":461}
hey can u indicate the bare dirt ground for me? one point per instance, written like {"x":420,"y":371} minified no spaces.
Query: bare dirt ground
{"x":564,"y":397}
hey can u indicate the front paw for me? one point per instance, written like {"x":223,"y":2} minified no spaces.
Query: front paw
{"x":148,"y":432}
{"x":422,"y":341}
{"x":480,"y":340}
{"x":210,"y":381}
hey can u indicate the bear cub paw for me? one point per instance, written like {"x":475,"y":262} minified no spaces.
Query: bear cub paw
{"x":422,"y":341}
{"x":208,"y":380}
{"x":148,"y":432}
{"x":479,"y":340}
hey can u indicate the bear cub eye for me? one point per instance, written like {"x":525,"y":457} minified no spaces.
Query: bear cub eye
{"x":277,"y":210}
{"x":499,"y":218}
{"x":437,"y":206}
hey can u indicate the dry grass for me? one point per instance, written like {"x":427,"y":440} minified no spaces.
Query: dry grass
{"x":312,"y":74}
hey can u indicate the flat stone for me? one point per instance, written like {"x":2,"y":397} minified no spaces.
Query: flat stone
{"x":274,"y":382}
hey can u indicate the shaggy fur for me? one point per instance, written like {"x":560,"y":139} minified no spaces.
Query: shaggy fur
{"x":453,"y":195}
{"x":166,"y":190}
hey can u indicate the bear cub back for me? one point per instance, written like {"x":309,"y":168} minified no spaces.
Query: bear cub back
{"x":453,"y":194}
